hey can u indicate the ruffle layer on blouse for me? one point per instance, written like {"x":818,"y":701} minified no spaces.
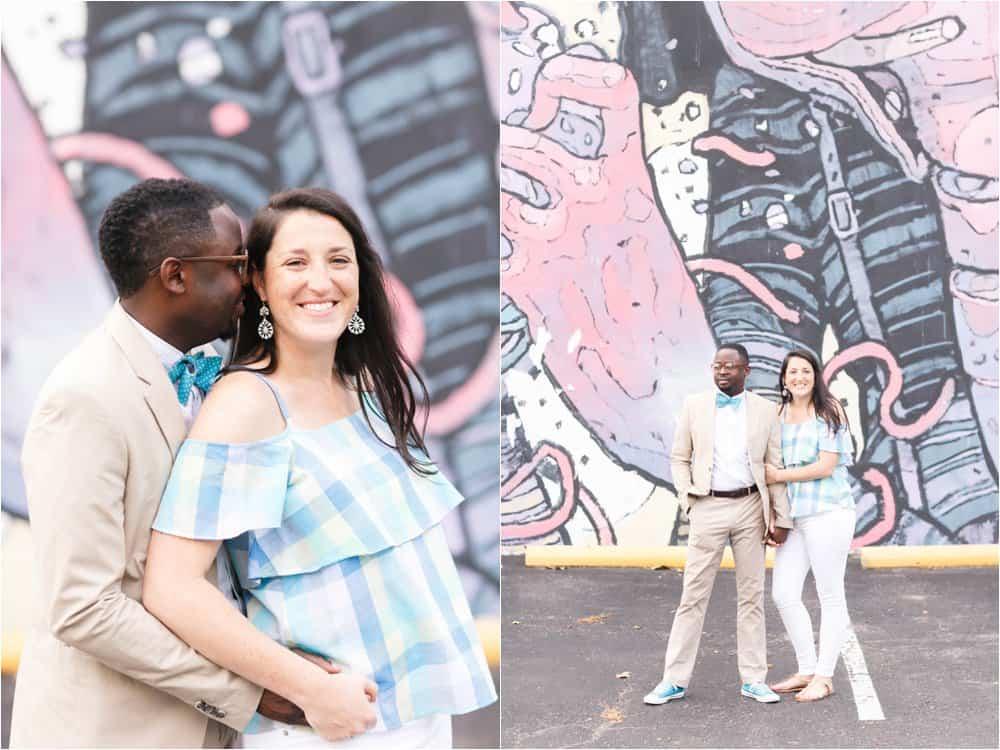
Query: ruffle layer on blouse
{"x":300,"y":510}
{"x":839,"y":442}
{"x":826,"y":440}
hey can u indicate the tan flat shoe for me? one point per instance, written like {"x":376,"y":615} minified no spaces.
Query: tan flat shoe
{"x":816,"y":690}
{"x":792,"y":684}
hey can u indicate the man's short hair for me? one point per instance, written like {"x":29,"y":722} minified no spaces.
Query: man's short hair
{"x":738,"y":348}
{"x":151,"y":221}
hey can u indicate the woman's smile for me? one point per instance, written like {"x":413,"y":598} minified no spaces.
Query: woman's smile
{"x":318,"y":309}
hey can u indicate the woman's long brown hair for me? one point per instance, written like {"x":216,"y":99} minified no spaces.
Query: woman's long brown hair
{"x":374,"y":360}
{"x":824,"y":403}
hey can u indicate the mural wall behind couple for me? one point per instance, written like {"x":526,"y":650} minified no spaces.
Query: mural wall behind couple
{"x":387,"y":103}
{"x":782,"y":175}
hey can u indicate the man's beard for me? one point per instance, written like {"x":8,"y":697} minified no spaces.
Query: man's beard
{"x":228,"y":334}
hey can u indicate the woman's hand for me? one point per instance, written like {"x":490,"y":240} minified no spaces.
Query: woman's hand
{"x":277,"y":708}
{"x":772,"y":474}
{"x":340,"y":705}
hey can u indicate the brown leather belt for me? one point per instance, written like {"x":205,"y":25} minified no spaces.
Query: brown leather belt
{"x":742,"y":492}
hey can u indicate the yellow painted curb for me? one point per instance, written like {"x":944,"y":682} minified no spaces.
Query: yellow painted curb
{"x":930,"y":556}
{"x":487,"y":627}
{"x":550,"y":556}
{"x":13,"y":643}
{"x":489,"y":635}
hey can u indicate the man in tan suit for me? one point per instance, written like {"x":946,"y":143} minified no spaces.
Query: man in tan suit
{"x":723,"y":439}
{"x":97,"y":669}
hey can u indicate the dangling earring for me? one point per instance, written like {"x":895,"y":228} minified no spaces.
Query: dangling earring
{"x":356,"y":325}
{"x":264,"y":329}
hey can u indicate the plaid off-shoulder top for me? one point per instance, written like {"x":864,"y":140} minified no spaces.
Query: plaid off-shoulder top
{"x":339,"y":550}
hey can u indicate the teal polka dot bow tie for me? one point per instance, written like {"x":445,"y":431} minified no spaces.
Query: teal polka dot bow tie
{"x":722,"y":400}
{"x":191,"y":370}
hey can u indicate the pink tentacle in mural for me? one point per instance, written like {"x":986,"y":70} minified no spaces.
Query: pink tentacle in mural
{"x":112,"y":149}
{"x":409,"y":320}
{"x":561,"y":514}
{"x":887,"y":523}
{"x":452,"y":412}
{"x":750,"y":282}
{"x":511,"y":18}
{"x":597,"y":516}
{"x":733,"y":150}
{"x":893,"y":388}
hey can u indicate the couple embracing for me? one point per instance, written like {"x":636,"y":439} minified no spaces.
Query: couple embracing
{"x":757,"y":475}
{"x":264,"y":558}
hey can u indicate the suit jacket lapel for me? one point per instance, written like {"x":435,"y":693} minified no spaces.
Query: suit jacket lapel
{"x":755,"y":417}
{"x":708,"y":421}
{"x":157,"y":389}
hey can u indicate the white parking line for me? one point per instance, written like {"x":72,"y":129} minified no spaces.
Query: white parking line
{"x":865,"y":697}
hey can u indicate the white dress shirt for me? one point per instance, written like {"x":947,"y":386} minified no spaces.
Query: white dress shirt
{"x":169,"y":355}
{"x":730,"y":462}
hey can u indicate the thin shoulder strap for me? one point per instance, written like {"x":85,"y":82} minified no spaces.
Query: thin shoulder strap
{"x":273,"y":388}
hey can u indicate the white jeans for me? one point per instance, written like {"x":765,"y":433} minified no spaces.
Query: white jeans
{"x":820,"y":542}
{"x":428,"y":732}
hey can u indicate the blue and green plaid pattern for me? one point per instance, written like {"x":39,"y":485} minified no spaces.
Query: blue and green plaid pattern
{"x":800,"y":446}
{"x":339,"y":548}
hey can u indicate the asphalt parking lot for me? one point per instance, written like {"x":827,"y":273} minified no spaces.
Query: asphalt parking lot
{"x":581,"y":646}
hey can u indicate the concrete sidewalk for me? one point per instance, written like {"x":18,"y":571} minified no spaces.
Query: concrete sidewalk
{"x":929,"y":638}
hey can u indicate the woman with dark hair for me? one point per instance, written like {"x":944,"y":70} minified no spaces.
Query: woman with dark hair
{"x":307,"y":463}
{"x":816,"y":450}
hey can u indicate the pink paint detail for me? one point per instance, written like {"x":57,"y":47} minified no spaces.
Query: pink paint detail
{"x":752,"y":284}
{"x":55,"y":289}
{"x":409,"y":321}
{"x":228,"y":119}
{"x":511,"y":18}
{"x":793,"y":251}
{"x":572,"y":493}
{"x":535,"y":529}
{"x":617,"y":296}
{"x":910,"y":14}
{"x":611,"y":268}
{"x":978,"y":144}
{"x":982,"y":218}
{"x":980,"y":313}
{"x":945,"y":86}
{"x":733,"y":150}
{"x":894,"y":386}
{"x":105,"y":148}
{"x":783,"y":29}
{"x":638,"y":205}
{"x":463,"y":402}
{"x":885,"y":525}
{"x":598,"y":517}
{"x":487,"y":17}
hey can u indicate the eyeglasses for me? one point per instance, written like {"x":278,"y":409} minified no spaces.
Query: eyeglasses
{"x":726,"y":367}
{"x":239,"y":263}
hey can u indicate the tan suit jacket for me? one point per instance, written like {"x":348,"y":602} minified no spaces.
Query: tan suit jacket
{"x":691,"y":456}
{"x":97,"y":669}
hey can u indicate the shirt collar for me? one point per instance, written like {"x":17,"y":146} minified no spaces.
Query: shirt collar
{"x":167,"y":353}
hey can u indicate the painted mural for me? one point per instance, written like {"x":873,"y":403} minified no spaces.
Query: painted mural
{"x":805,"y":174}
{"x":390,"y":104}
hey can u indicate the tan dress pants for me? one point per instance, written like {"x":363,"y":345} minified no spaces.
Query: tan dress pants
{"x":713,"y":522}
